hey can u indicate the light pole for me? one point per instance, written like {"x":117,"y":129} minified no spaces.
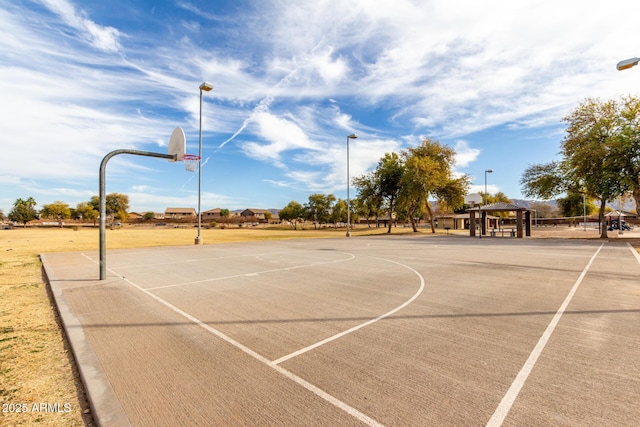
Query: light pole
{"x":584,"y":210}
{"x":206,"y":86}
{"x":352,"y":136}
{"x":485,"y":184}
{"x":627,"y":63}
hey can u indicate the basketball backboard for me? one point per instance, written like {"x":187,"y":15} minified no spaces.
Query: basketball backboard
{"x":473,"y":199}
{"x":177,"y":144}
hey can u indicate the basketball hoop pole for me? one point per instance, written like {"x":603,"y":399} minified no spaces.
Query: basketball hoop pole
{"x":103,"y":200}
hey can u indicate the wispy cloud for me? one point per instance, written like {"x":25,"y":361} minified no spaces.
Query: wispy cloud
{"x":291,"y":79}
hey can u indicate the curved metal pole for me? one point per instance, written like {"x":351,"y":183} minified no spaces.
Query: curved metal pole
{"x":199,"y":238}
{"x":103,"y":200}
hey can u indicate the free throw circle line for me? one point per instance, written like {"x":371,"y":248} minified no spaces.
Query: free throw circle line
{"x":362,"y":325}
{"x":289,"y":375}
{"x":255,"y":273}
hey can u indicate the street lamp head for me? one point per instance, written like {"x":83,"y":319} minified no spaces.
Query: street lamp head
{"x":352,"y":136}
{"x":206,"y":86}
{"x":489,"y":171}
{"x":627,"y":63}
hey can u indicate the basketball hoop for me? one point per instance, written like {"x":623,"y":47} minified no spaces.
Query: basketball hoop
{"x":191,"y":162}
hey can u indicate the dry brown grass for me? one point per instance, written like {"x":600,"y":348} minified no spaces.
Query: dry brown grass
{"x":35,"y":365}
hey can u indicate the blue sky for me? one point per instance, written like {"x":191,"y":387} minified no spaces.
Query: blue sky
{"x":292,"y":79}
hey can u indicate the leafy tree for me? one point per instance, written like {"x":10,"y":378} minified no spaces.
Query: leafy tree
{"x":318,"y":208}
{"x":572,"y":205}
{"x":56,"y":209}
{"x":544,"y":181}
{"x":543,"y":210}
{"x":23,"y":211}
{"x":388,"y":179}
{"x":293,"y":212}
{"x":224,"y":213}
{"x":593,"y":159}
{"x":428,"y":172}
{"x":2,"y":215}
{"x":630,"y":144}
{"x":368,"y":203}
{"x":86,"y":211}
{"x":338,"y":212}
{"x":148,"y":216}
{"x":117,"y":205}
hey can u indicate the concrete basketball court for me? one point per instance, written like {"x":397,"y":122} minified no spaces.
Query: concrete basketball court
{"x":384,"y":330}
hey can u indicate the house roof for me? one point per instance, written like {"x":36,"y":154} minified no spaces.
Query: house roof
{"x":499,"y":207}
{"x":616,"y":214}
{"x":258,"y":211}
{"x":180,"y":210}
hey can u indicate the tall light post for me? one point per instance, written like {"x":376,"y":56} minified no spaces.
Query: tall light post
{"x":627,"y":63}
{"x":352,"y":136}
{"x":206,"y":86}
{"x":584,"y":209}
{"x":485,"y":184}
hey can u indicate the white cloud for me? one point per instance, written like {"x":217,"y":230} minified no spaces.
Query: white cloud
{"x":465,"y":155}
{"x":101,"y":37}
{"x":282,"y":135}
{"x":295,"y":80}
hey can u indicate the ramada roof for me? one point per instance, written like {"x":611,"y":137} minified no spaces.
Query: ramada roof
{"x":500,"y":207}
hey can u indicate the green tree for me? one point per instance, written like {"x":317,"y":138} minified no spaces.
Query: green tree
{"x":428,"y":172}
{"x":593,"y":159}
{"x":148,"y":216}
{"x":86,"y":211}
{"x":293,"y":213}
{"x":338,"y":212}
{"x":368,"y":203}
{"x":23,"y":211}
{"x":318,"y":208}
{"x":542,"y":210}
{"x":58,"y":209}
{"x":117,"y":205}
{"x":572,"y":205}
{"x":630,"y":144}
{"x":388,"y":177}
{"x":224,"y":213}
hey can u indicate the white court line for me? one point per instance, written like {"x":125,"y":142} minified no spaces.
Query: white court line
{"x":234,"y":276}
{"x":634,"y":252}
{"x":509,"y":398}
{"x":355,"y":328}
{"x":291,"y":376}
{"x":184,"y":261}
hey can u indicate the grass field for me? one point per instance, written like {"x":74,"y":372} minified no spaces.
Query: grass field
{"x":35,"y":366}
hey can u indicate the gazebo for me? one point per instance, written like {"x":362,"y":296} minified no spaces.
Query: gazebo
{"x":521,"y":214}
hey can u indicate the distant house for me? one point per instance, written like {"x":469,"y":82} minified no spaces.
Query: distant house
{"x":135,"y":215}
{"x":211,"y":214}
{"x":178,"y":213}
{"x":259,"y":214}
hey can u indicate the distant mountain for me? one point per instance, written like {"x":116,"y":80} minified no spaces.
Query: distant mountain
{"x":528,"y":203}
